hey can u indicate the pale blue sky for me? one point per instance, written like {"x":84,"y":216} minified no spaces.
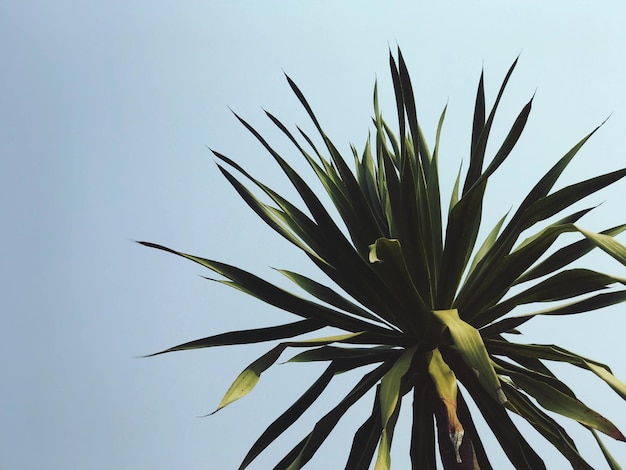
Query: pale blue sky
{"x":105,"y":112}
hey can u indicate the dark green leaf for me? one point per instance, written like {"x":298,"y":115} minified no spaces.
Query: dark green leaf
{"x":250,"y":336}
{"x":366,"y":439}
{"x":306,"y":448}
{"x":290,"y":416}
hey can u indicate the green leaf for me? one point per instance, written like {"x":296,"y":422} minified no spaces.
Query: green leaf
{"x":613,"y":465}
{"x":461,"y":233}
{"x":290,"y":416}
{"x":389,"y":396}
{"x":555,"y":353}
{"x":589,"y":304}
{"x":328,"y":295}
{"x":446,"y":386}
{"x":487,"y":244}
{"x":387,"y":256}
{"x":564,"y":198}
{"x":479,"y":144}
{"x":605,"y":374}
{"x":323,"y":237}
{"x":434,"y":200}
{"x":366,"y":438}
{"x":477,"y":147}
{"x":521,"y":454}
{"x":565,"y":256}
{"x":367,"y":222}
{"x":606,"y":243}
{"x":558,"y":402}
{"x":454,"y":196}
{"x":276,"y":296}
{"x":330,"y":353}
{"x":306,"y":448}
{"x":487,"y":291}
{"x":469,"y":343}
{"x":563,"y":285}
{"x":507,"y":146}
{"x":546,"y":426}
{"x":247,"y":380}
{"x":423,"y":431}
{"x":249,"y":336}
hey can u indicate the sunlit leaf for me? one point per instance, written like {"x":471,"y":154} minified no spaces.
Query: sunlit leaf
{"x":471,"y":347}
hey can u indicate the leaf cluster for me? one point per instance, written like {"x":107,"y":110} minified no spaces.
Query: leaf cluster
{"x":420,"y":301}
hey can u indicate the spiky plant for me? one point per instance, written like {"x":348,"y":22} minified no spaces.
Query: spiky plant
{"x":426,"y":308}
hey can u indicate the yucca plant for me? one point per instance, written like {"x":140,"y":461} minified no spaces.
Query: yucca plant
{"x":418,"y":300}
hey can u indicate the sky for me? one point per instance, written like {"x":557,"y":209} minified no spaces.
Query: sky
{"x":107,"y":112}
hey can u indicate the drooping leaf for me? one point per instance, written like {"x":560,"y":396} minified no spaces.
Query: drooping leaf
{"x":446,"y":386}
{"x":247,"y":380}
{"x":607,"y":243}
{"x":555,"y":353}
{"x":571,"y":308}
{"x":470,"y":345}
{"x":546,"y":426}
{"x":513,"y":443}
{"x":554,"y":400}
{"x":389,"y":396}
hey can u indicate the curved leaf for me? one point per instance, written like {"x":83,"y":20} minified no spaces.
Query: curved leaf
{"x":555,"y":400}
{"x":247,"y":380}
{"x":555,"y":353}
{"x":580,"y":306}
{"x":470,"y":345}
{"x":276,"y":296}
{"x":445,"y":383}
{"x":563,"y":285}
{"x":249,"y":336}
{"x":389,"y":396}
{"x":546,"y":426}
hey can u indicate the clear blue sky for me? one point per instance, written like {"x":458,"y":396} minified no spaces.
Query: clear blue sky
{"x":105,"y":112}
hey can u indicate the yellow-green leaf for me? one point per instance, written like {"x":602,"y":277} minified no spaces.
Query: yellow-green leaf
{"x":446,"y":385}
{"x":469,"y":343}
{"x":610,"y":379}
{"x":389,"y":395}
{"x":607,"y":243}
{"x":248,"y":379}
{"x":613,"y":465}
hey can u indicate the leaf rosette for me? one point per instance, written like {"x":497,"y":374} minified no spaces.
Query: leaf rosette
{"x":427,"y":307}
